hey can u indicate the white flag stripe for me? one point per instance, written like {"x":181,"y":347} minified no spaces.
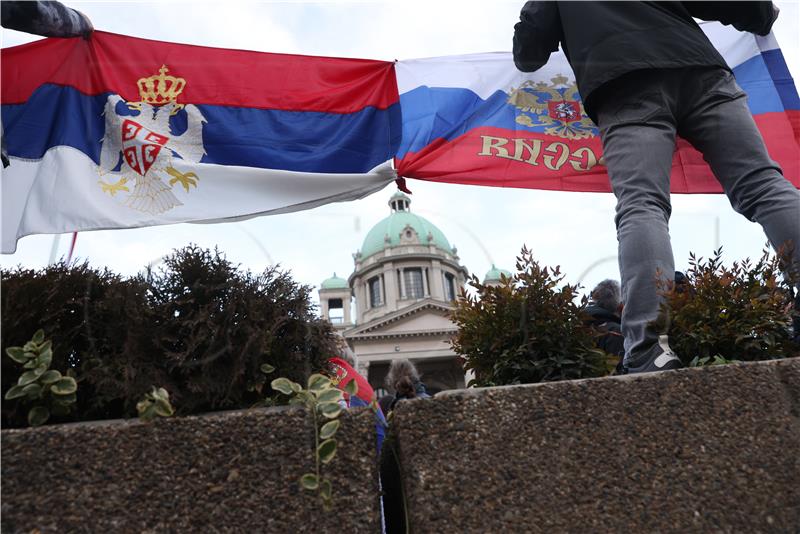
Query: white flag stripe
{"x":485,"y":73}
{"x":60,"y":193}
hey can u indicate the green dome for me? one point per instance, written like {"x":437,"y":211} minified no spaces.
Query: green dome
{"x":493,"y":274}
{"x":393,"y":225}
{"x":334,"y":282}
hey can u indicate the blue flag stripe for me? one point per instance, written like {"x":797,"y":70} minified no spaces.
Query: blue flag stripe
{"x":270,"y":139}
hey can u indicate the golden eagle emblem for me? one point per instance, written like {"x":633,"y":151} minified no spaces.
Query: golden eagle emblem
{"x":556,"y":105}
{"x":149,"y":149}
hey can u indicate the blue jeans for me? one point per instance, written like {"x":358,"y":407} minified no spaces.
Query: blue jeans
{"x":639,"y":116}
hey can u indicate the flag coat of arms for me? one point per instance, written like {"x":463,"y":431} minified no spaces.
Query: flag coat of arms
{"x":476,"y":119}
{"x":120,"y":132}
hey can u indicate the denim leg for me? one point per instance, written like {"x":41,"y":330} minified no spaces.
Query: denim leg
{"x":722,"y":128}
{"x":638,"y":145}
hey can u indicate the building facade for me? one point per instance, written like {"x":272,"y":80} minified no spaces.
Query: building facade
{"x":405,"y":280}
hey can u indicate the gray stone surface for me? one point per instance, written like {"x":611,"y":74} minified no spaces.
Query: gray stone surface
{"x":228,"y":472}
{"x":694,"y":450}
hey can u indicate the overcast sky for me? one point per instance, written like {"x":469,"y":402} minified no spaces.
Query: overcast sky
{"x":488,"y":225}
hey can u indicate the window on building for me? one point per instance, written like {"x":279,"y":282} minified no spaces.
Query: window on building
{"x":427,"y":281}
{"x":375,"y":297}
{"x":413,"y":282}
{"x":336,"y":311}
{"x":449,"y":286}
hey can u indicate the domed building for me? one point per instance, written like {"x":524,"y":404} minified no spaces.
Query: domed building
{"x":407,"y":276}
{"x":494,"y":276}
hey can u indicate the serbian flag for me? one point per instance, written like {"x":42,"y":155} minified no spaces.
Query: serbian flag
{"x":119,"y":132}
{"x":476,"y":119}
{"x":344,"y":375}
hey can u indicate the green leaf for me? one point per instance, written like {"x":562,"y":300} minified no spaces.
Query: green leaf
{"x":38,"y":337}
{"x":45,"y":358}
{"x":318,"y":382}
{"x":296,"y":400}
{"x":33,"y":362}
{"x":304,"y":395}
{"x":267,"y":368}
{"x":330,"y":410}
{"x":146,"y":409}
{"x":329,"y":395}
{"x":65,"y":400}
{"x":327,"y":450}
{"x":32,"y":390}
{"x":163,"y":408}
{"x":284,"y":385}
{"x":29,"y":376}
{"x":325,"y":490}
{"x":309,"y":481}
{"x":17,"y":354}
{"x":38,"y":415}
{"x":64,"y":386}
{"x":15,"y":392}
{"x":351,"y":388}
{"x":49,"y":377}
{"x":161,"y":394}
{"x":329,"y":429}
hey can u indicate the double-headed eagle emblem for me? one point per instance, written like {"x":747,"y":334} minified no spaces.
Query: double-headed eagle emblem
{"x":556,"y":105}
{"x":148,"y":146}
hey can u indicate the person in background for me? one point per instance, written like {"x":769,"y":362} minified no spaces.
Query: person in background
{"x":647,"y":73}
{"x":404,"y":380}
{"x":343,"y":367}
{"x":603,"y":310}
{"x":343,"y":370}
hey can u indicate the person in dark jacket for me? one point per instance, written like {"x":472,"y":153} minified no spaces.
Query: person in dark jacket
{"x":404,"y":380}
{"x":646,"y":73}
{"x":49,"y":19}
{"x":603,"y":310}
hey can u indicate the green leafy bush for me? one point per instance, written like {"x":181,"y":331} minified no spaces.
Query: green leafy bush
{"x":199,"y":326}
{"x":723,"y":314}
{"x":527,"y":329}
{"x":155,"y":404}
{"x":47,"y":389}
{"x":217,"y":325}
{"x":91,"y":315}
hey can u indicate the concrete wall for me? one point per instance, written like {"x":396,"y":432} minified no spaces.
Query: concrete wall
{"x":227,"y":472}
{"x":695,"y":450}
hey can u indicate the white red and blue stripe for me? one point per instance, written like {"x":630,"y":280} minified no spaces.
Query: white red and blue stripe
{"x":278,"y":133}
{"x":459,"y":126}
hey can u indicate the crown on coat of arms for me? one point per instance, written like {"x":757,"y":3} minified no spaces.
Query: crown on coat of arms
{"x":160,"y":89}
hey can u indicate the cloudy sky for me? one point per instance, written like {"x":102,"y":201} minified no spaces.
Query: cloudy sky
{"x":488,"y":225}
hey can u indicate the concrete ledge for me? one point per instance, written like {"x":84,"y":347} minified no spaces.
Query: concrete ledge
{"x":228,"y":472}
{"x":694,"y":450}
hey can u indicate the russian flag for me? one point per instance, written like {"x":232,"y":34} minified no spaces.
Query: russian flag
{"x":475,"y":119}
{"x":120,"y":132}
